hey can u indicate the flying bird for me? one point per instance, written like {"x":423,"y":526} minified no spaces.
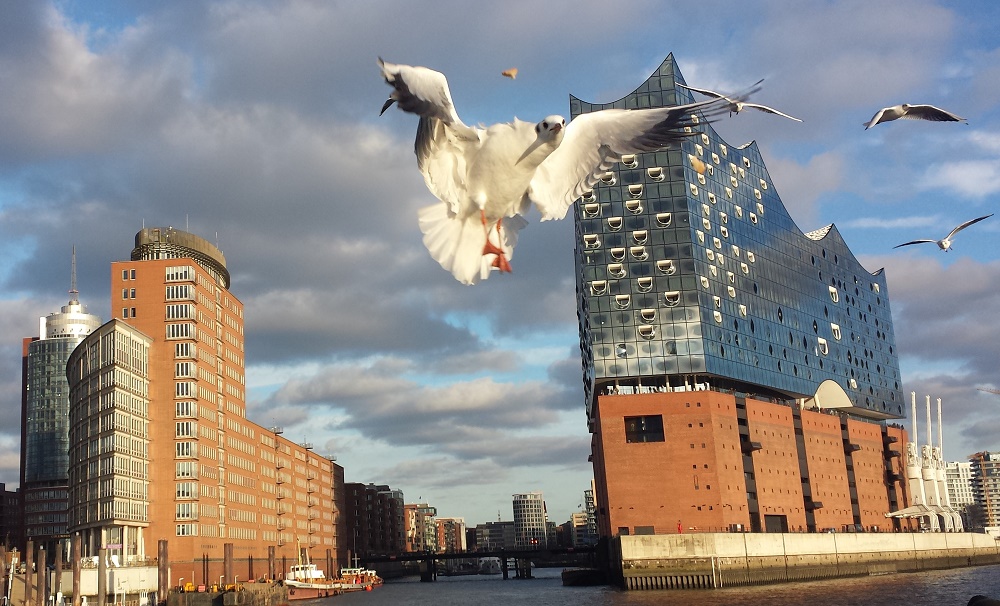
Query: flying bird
{"x":488,"y":177}
{"x":737,"y":105}
{"x":945,"y":243}
{"x":510,"y":73}
{"x":913,"y":112}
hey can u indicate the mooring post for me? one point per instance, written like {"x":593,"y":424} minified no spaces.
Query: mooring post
{"x":102,"y":576}
{"x":227,"y":571}
{"x":74,"y":555}
{"x":163,"y":571}
{"x":57,"y":581}
{"x":29,"y":560}
{"x":40,"y":574}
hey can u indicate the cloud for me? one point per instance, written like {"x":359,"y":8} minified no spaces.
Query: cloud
{"x":803,"y":186}
{"x":256,"y":126}
{"x":897,"y":223}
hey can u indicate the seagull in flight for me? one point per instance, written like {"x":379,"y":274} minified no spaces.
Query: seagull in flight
{"x":913,"y":112}
{"x":487,"y":177}
{"x":945,"y":243}
{"x":737,"y":105}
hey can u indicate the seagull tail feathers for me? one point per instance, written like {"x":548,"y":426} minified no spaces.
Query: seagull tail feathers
{"x":457,"y":243}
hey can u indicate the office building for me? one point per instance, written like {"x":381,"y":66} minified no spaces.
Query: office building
{"x":738,"y":373}
{"x":45,"y":420}
{"x":11,"y":526}
{"x":161,"y":446}
{"x":493,"y":536}
{"x":530,"y":521}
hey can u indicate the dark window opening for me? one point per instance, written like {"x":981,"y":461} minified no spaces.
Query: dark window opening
{"x":644,"y":429}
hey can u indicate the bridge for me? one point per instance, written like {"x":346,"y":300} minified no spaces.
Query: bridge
{"x":583,"y":556}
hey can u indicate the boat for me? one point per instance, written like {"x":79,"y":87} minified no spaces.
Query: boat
{"x":358,"y":579}
{"x":306,"y":582}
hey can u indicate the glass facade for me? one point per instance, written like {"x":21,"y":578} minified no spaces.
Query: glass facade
{"x":690,"y":271}
{"x":530,"y":521}
{"x":46,"y":421}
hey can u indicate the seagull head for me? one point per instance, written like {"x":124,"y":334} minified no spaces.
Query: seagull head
{"x":551,"y":128}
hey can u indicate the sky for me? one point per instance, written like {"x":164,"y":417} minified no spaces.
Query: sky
{"x":255,"y":125}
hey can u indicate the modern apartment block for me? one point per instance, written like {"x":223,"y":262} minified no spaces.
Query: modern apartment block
{"x":530,"y":521}
{"x":450,"y":535}
{"x":738,"y":372}
{"x":958,"y":477}
{"x":160,"y":443}
{"x":986,"y":484}
{"x":375,"y":519}
{"x":418,"y":519}
{"x":45,"y":420}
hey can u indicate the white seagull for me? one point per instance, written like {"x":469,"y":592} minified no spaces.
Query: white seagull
{"x":945,"y":243}
{"x":488,"y":177}
{"x":913,"y":112}
{"x":737,"y":105}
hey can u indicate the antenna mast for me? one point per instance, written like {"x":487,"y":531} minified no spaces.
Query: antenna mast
{"x":73,"y":292}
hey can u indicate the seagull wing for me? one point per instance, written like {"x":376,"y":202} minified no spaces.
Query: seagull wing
{"x":594,"y":142}
{"x":443,"y":143}
{"x":770,"y":110}
{"x":929,"y":112}
{"x":704,"y":91}
{"x":915,"y":242}
{"x":880,"y":117}
{"x":966,"y":224}
{"x":421,"y":91}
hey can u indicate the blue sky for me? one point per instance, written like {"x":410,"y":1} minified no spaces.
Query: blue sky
{"x":256,"y":125}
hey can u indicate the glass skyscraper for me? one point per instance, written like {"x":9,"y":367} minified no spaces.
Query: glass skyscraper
{"x":45,"y":428}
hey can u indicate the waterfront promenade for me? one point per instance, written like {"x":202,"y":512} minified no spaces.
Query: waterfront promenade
{"x":714,"y":560}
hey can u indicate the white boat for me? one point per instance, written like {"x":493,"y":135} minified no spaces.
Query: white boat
{"x":305,"y":582}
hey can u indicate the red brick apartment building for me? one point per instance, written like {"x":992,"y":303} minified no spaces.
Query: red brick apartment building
{"x":160,"y":444}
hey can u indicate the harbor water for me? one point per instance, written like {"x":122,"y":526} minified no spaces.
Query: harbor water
{"x":932,"y":588}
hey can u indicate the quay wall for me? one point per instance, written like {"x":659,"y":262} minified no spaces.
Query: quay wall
{"x":709,"y":560}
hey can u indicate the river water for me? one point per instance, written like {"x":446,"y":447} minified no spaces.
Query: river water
{"x":932,"y":588}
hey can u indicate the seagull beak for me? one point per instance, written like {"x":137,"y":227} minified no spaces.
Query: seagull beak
{"x":387,"y":105}
{"x":557,"y":127}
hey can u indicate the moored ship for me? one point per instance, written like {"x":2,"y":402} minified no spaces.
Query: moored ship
{"x":306,"y":582}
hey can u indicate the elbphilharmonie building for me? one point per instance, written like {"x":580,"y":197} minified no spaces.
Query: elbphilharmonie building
{"x":692,"y":277}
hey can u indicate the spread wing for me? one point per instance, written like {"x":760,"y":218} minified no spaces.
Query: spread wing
{"x":444,"y":143}
{"x":704,"y":91}
{"x":915,"y":242}
{"x":879,"y":117}
{"x":966,"y":224}
{"x":929,"y":112}
{"x":770,"y":110}
{"x":594,"y":142}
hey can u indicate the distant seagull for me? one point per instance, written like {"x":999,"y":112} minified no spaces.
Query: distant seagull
{"x":736,"y":105}
{"x":945,"y":243}
{"x":488,"y":177}
{"x":913,"y":112}
{"x":510,"y":73}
